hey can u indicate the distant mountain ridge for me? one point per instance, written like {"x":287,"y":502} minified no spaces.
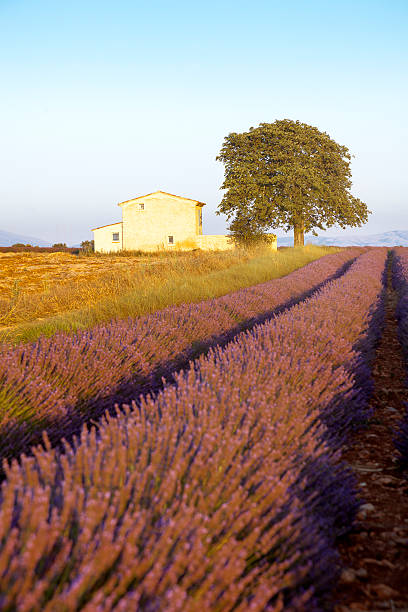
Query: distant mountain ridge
{"x":8,"y":239}
{"x":388,"y":239}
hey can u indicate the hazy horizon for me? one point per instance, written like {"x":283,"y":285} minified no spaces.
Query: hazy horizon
{"x":104,"y":102}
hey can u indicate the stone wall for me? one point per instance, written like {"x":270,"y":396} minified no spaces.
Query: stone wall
{"x":220,"y":242}
{"x":214,"y":243}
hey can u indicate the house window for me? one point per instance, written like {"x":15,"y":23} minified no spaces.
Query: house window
{"x":170,"y":239}
{"x":141,"y":206}
{"x":115,"y":237}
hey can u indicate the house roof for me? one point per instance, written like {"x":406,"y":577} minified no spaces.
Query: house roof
{"x":165,"y":193}
{"x":109,"y":225}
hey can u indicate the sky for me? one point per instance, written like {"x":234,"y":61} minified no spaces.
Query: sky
{"x":104,"y":101}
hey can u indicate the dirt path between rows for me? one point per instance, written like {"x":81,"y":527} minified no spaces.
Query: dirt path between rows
{"x":375,"y":554}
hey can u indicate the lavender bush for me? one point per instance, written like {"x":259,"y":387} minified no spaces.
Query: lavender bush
{"x":61,"y":382}
{"x":223,"y":492}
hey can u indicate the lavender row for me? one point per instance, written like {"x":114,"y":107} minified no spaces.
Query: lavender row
{"x":400,"y":282}
{"x":61,"y":382}
{"x":223,"y":492}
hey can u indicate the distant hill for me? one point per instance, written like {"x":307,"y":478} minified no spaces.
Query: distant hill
{"x":389,"y":239}
{"x":8,"y":239}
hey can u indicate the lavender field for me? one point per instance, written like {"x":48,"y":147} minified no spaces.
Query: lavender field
{"x":59,"y":383}
{"x":221,"y":489}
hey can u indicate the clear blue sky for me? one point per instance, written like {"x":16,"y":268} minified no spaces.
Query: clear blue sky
{"x":104,"y":101}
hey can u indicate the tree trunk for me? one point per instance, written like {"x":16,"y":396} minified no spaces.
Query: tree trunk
{"x":299,"y":234}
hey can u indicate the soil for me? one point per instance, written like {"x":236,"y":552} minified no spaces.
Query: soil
{"x":375,"y":553}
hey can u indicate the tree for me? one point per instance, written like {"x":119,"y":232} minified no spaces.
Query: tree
{"x":88,"y":246}
{"x":59,"y":245}
{"x":287,"y":175}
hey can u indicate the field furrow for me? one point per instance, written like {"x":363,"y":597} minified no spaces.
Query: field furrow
{"x":224,"y":492}
{"x":59,"y":383}
{"x":373,"y":554}
{"x":401,"y":286}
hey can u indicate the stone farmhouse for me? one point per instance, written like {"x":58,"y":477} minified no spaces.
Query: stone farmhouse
{"x":159,"y":220}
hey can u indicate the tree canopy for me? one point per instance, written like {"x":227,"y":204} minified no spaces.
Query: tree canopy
{"x":287,"y":175}
{"x":88,"y":246}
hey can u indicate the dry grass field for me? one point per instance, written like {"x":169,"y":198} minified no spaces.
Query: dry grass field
{"x":38,"y":285}
{"x":41,"y":293}
{"x":37,"y":272}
